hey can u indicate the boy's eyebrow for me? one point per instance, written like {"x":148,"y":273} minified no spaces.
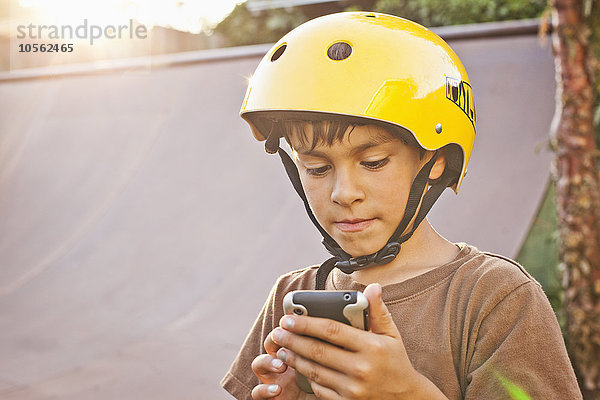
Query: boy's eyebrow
{"x":358,"y":149}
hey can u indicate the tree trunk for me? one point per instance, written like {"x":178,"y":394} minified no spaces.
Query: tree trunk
{"x":576,"y":176}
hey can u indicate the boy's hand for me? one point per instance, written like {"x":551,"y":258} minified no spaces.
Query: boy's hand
{"x":278,"y":381}
{"x":370,"y":365}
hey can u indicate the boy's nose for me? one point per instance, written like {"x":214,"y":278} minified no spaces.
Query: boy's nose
{"x":346,"y":190}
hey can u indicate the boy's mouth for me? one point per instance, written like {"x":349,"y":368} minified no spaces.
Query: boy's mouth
{"x":353,"y":225}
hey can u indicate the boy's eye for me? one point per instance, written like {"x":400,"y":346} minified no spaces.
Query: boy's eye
{"x":318,"y":171}
{"x":375,"y":164}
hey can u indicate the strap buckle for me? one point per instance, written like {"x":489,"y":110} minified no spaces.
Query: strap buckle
{"x":383,"y":256}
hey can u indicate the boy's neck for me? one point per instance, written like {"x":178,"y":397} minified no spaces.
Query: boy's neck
{"x":424,"y":251}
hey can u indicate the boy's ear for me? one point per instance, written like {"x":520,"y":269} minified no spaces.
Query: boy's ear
{"x":439,"y":166}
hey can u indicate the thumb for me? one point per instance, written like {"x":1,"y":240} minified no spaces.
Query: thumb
{"x":380,"y":318}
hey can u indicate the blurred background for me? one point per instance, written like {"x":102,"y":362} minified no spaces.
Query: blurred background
{"x":141,"y":226}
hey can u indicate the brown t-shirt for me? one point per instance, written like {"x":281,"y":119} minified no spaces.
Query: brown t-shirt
{"x":477,"y":327}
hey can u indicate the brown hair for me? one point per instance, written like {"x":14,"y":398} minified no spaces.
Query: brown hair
{"x":329,"y":131}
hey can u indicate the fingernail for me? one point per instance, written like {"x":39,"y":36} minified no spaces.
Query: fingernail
{"x":277,"y":363}
{"x":288,"y":322}
{"x":282,"y":354}
{"x":277,"y":335}
{"x":273,"y":388}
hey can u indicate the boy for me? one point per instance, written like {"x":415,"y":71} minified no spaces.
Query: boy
{"x":379,"y":115}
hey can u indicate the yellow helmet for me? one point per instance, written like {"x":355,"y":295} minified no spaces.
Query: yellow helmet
{"x":391,"y":71}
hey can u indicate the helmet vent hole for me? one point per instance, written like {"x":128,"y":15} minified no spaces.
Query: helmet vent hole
{"x":278,"y":53}
{"x":339,"y":51}
{"x":370,"y":16}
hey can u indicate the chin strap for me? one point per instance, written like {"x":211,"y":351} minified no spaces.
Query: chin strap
{"x":344,"y":261}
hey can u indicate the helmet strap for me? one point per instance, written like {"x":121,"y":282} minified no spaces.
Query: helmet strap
{"x":292,"y":172}
{"x":344,"y":261}
{"x":392,"y":247}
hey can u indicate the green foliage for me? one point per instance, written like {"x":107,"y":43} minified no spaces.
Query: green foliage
{"x":453,"y":12}
{"x":594,"y":65}
{"x":514,"y":391}
{"x":241,"y":27}
{"x":539,"y":252}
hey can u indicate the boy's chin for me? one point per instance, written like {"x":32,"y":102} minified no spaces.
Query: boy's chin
{"x":361,"y":251}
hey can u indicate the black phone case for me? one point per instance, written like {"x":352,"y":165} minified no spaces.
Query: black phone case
{"x":348,"y":307}
{"x":329,"y":304}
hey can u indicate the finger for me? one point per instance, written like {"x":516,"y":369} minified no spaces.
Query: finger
{"x":270,"y":346}
{"x":266,"y":364}
{"x":331,"y":331}
{"x":324,"y":393}
{"x":380,"y":319}
{"x":313,"y":349}
{"x":265,"y":391}
{"x":314,"y":372}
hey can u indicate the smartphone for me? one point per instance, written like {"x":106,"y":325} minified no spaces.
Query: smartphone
{"x":346,"y":306}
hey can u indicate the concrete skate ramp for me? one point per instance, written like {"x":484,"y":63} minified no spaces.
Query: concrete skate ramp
{"x":141,"y":226}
